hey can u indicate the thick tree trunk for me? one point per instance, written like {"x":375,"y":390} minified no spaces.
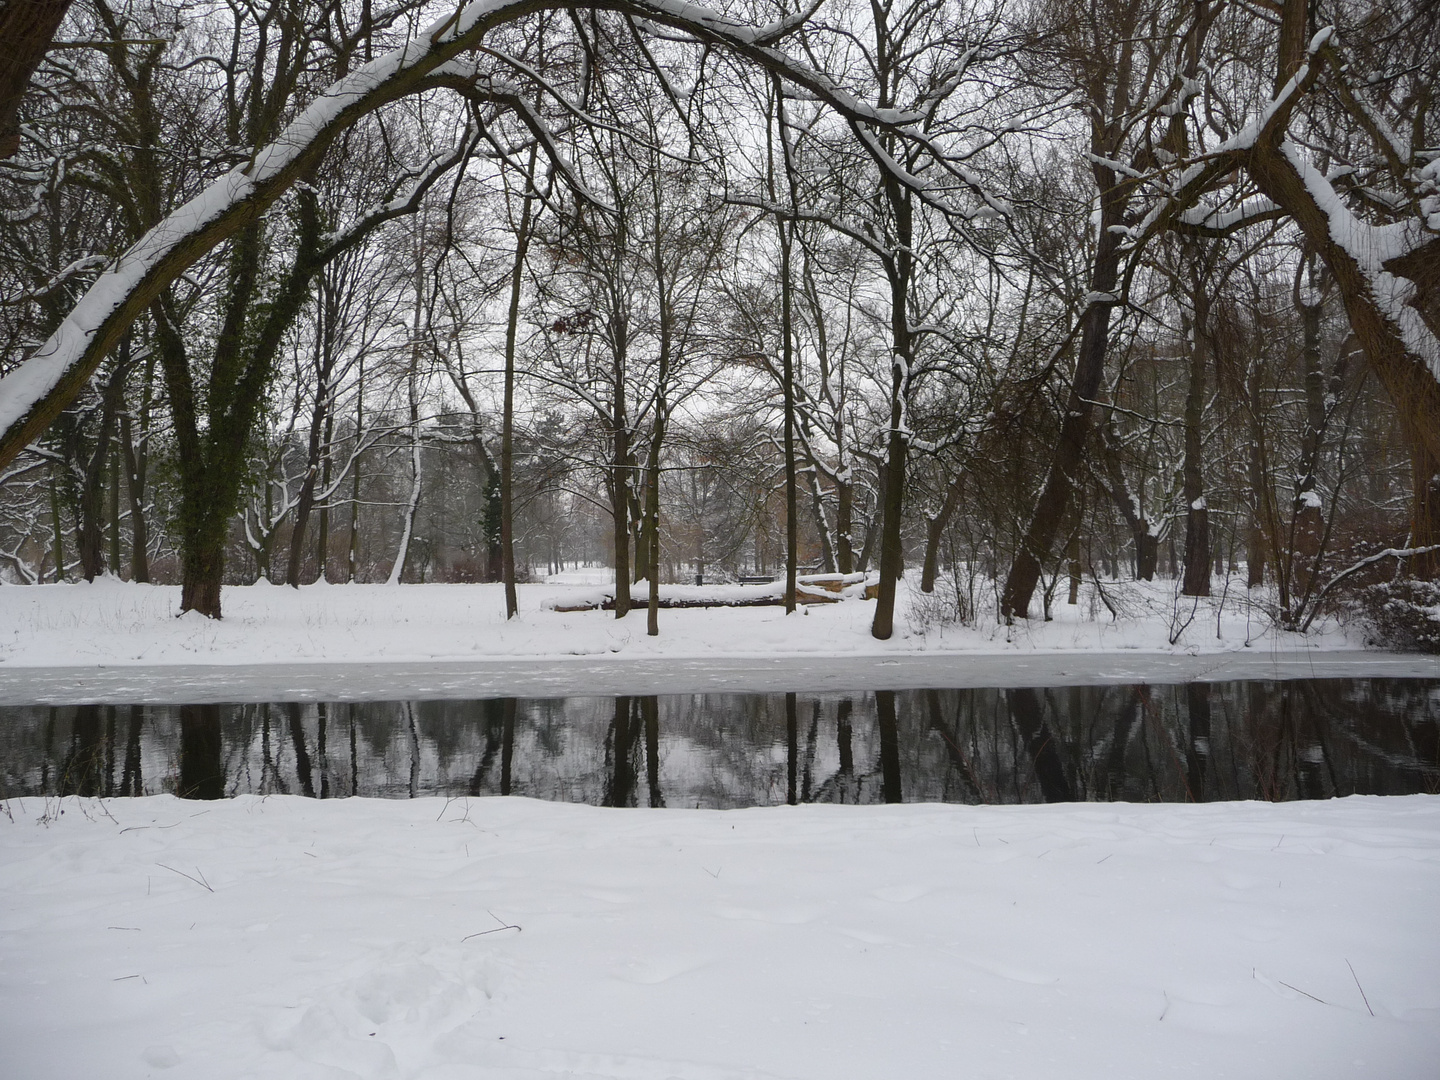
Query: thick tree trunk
{"x":822,"y":524}
{"x":892,"y":555}
{"x":494,"y":515}
{"x":1425,"y":509}
{"x":56,"y":527}
{"x":91,"y":540}
{"x":135,"y":468}
{"x":620,"y":509}
{"x":1147,"y":544}
{"x":1197,"y":515}
{"x":1254,"y":557}
{"x":507,"y":422}
{"x":1069,"y":454}
{"x":1307,"y":520}
{"x":27,"y":28}
{"x":935,"y":529}
{"x":112,"y":515}
{"x":203,"y":566}
{"x":787,"y":374}
{"x":322,"y":531}
{"x":873,"y":525}
{"x":412,"y":386}
{"x":640,"y":525}
{"x":1256,"y":543}
{"x":1072,"y":556}
{"x":412,"y":505}
{"x":652,"y":507}
{"x":298,"y":529}
{"x":352,"y":549}
{"x":844,"y":523}
{"x":305,"y":503}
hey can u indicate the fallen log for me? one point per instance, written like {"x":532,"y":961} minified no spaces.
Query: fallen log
{"x":757,"y":598}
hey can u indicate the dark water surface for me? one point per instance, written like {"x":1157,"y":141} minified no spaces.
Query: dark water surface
{"x":1296,"y":739}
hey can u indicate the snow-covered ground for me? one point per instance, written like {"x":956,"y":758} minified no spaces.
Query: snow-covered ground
{"x":113,"y":622}
{"x":117,"y":641}
{"x":502,"y":939}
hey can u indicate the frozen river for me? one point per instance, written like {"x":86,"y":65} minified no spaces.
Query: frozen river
{"x":338,"y":681}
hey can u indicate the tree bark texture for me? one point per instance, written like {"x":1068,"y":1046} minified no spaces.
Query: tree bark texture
{"x":91,"y":540}
{"x":507,"y":422}
{"x":935,"y":530}
{"x":27,"y":27}
{"x":787,"y":376}
{"x":305,"y":503}
{"x":1197,"y":514}
{"x":135,"y":460}
{"x":1069,"y":454}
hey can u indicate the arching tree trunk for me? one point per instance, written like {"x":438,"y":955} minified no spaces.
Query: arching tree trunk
{"x":1393,"y":306}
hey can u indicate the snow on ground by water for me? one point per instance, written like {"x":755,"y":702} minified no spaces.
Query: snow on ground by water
{"x":504,"y":939}
{"x":115,"y":623}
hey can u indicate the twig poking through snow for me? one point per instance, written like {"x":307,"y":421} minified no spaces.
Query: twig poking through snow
{"x":1312,"y":997}
{"x":198,"y":881}
{"x":1359,"y":987}
{"x":503,"y":926}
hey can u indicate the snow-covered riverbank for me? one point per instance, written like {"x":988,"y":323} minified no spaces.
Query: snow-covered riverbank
{"x":122,"y":641}
{"x":503,"y":938}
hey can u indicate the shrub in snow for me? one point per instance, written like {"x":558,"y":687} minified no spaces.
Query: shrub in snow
{"x":950,"y":604}
{"x":1404,"y":614}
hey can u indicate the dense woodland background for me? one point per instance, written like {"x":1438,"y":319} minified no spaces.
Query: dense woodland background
{"x":1007,"y":296}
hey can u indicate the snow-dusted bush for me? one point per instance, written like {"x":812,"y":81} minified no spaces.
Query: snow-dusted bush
{"x":1404,"y":614}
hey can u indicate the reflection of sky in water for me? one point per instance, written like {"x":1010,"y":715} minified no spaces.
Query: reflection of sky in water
{"x":1279,"y":740}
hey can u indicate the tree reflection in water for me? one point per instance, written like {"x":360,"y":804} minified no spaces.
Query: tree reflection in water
{"x":1265,"y":740}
